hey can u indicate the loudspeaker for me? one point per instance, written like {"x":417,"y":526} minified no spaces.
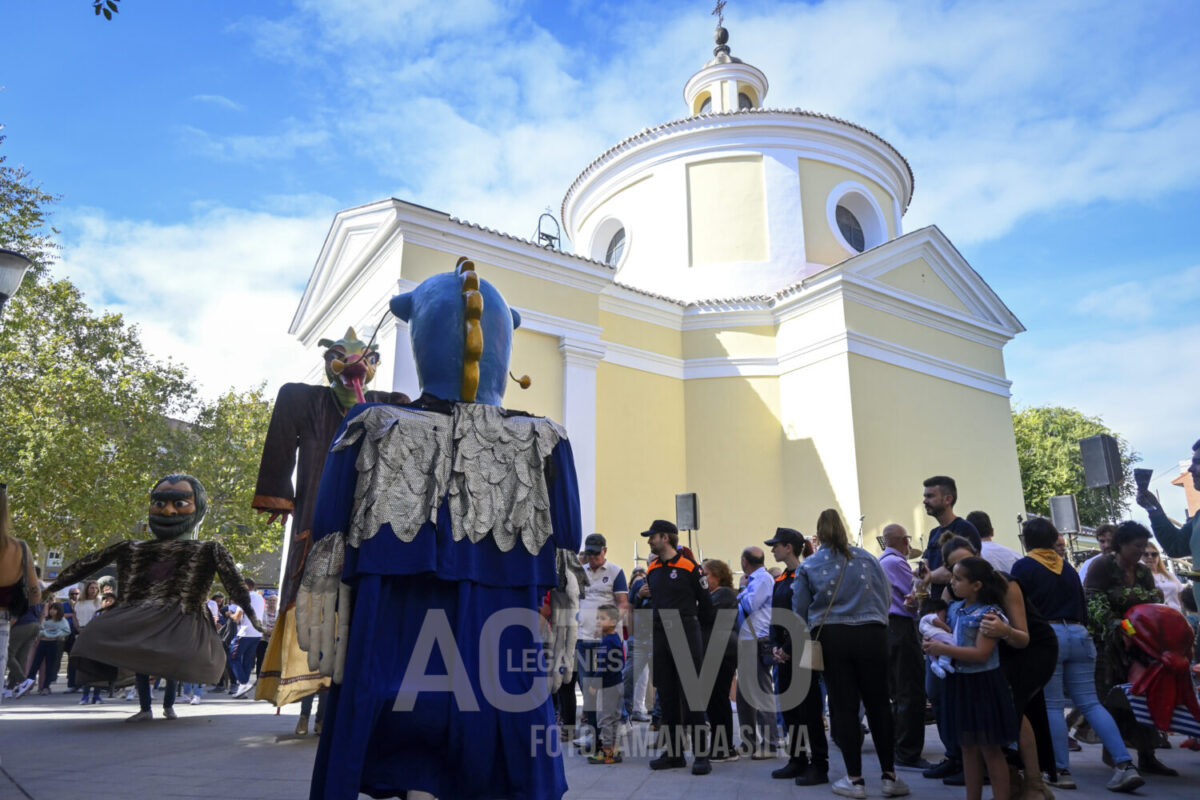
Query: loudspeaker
{"x":687,"y":512}
{"x":1064,"y":513}
{"x":1101,"y":461}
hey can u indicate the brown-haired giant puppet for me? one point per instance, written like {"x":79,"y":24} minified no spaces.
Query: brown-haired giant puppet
{"x":160,"y":625}
{"x":301,"y":428}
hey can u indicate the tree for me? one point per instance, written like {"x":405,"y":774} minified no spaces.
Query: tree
{"x":223,"y":451}
{"x":89,"y":419}
{"x":1051,"y":464}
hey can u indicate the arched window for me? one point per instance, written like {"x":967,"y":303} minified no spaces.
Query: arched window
{"x":706,"y":106}
{"x":744,"y":101}
{"x":616,"y":246}
{"x":851,"y":228}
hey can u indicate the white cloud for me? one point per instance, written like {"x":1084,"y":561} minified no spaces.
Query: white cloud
{"x":1149,"y":298}
{"x":221,"y":101}
{"x":216,"y":292}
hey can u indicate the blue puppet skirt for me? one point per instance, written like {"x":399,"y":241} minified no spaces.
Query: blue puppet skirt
{"x":493,"y":736}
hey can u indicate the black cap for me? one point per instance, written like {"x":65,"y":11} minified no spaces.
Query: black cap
{"x":594,"y":543}
{"x":787,"y":536}
{"x":661,"y":526}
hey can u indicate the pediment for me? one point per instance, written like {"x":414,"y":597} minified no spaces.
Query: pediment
{"x":354,"y":237}
{"x":924,"y":268}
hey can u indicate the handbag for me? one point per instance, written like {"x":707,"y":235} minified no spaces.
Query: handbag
{"x":20,"y":599}
{"x":813,"y":657}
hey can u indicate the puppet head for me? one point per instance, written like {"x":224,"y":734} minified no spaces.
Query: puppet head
{"x":177,"y":505}
{"x":349,"y":366}
{"x":1165,"y":636}
{"x":462,"y":331}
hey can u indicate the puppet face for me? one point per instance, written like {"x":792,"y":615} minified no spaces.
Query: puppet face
{"x":177,"y":504}
{"x":462,"y":331}
{"x":349,"y":365}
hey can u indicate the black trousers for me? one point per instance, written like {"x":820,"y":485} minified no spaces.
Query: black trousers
{"x":677,"y":715}
{"x":856,"y":670}
{"x":808,"y":716}
{"x":906,"y":683}
{"x":720,"y":712}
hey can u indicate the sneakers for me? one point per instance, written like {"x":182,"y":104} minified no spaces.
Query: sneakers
{"x":723,"y":756}
{"x":668,"y":762}
{"x":1125,"y":779}
{"x":23,"y":688}
{"x":605,"y":755}
{"x":1064,"y":781}
{"x":83,"y":701}
{"x":845,"y":788}
{"x":302,"y":725}
{"x":130,"y":694}
{"x":96,"y":699}
{"x":894,"y":787}
{"x":943,"y":769}
{"x":169,"y":713}
{"x":790,"y":770}
{"x":141,"y":716}
{"x":701,"y":766}
{"x":244,"y":689}
{"x":195,"y":701}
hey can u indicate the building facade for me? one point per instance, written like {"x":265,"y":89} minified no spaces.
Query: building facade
{"x":744,"y":317}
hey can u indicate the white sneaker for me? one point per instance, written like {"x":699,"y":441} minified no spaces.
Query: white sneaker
{"x":244,"y":690}
{"x":23,"y":687}
{"x":894,"y":787}
{"x":195,"y":701}
{"x":845,"y":788}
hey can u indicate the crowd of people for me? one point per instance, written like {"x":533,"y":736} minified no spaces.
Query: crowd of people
{"x":996,"y":645}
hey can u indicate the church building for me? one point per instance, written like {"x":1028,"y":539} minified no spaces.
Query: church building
{"x":743,"y":317}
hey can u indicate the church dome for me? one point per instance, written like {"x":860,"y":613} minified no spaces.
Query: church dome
{"x":736,"y":199}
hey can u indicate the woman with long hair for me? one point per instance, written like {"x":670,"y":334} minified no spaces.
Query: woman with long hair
{"x":54,"y":633}
{"x":843,"y":595}
{"x":16,"y":564}
{"x":1166,"y":582}
{"x":720,"y":714}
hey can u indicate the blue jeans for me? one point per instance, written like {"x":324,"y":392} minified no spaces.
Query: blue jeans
{"x":935,"y":690}
{"x":241,"y":657}
{"x":1075,"y":677}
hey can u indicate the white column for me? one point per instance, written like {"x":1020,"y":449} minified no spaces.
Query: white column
{"x":404,"y":369}
{"x":580,"y":357}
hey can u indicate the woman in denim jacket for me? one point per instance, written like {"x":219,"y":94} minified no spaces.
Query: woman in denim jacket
{"x":850,"y":622}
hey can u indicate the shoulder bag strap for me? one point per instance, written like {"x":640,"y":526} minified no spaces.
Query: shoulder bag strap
{"x":829,"y":607}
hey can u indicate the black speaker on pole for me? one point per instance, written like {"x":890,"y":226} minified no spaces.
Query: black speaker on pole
{"x":1101,"y":461}
{"x":687,"y":512}
{"x":1064,"y":513}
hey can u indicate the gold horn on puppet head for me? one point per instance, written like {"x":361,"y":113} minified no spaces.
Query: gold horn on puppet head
{"x":473,"y":329}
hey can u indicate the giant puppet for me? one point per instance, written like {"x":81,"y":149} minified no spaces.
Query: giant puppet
{"x":160,"y":624}
{"x":298,"y":436}
{"x":433,"y":516}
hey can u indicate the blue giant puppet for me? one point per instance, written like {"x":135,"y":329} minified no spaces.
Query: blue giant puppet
{"x":432,"y":516}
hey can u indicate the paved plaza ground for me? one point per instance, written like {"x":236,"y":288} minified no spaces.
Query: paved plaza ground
{"x":226,"y":749}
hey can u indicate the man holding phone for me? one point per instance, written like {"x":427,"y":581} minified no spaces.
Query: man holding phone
{"x":1181,"y":542}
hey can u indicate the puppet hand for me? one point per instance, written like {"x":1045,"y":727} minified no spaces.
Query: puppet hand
{"x":320,"y":630}
{"x":282,"y":516}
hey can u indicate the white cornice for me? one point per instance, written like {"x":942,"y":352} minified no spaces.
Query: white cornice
{"x":636,"y":305}
{"x":623,"y":355}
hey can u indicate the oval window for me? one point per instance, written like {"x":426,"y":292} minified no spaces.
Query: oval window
{"x":616,"y":246}
{"x":850,"y":227}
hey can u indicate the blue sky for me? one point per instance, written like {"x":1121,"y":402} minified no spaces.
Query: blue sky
{"x":209,"y":143}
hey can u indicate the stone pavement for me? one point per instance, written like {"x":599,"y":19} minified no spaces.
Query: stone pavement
{"x":228,"y":749}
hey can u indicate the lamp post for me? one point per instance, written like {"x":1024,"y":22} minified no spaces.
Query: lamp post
{"x":12,"y":270}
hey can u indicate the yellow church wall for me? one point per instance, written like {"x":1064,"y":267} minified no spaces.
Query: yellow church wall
{"x":909,"y":427}
{"x":819,"y":468}
{"x":750,"y":341}
{"x":923,"y":339}
{"x":536,"y":355}
{"x":520,"y":290}
{"x":799,"y":331}
{"x":727,"y":211}
{"x":643,"y":335}
{"x":733,"y":462}
{"x":919,"y":278}
{"x":817,"y":180}
{"x":640,"y":461}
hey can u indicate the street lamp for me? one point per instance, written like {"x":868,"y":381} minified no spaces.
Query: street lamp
{"x":12,"y":270}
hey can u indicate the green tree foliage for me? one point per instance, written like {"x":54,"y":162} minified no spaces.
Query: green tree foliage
{"x":89,"y":419}
{"x":1051,"y":464}
{"x":223,"y":449}
{"x":105,"y":7}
